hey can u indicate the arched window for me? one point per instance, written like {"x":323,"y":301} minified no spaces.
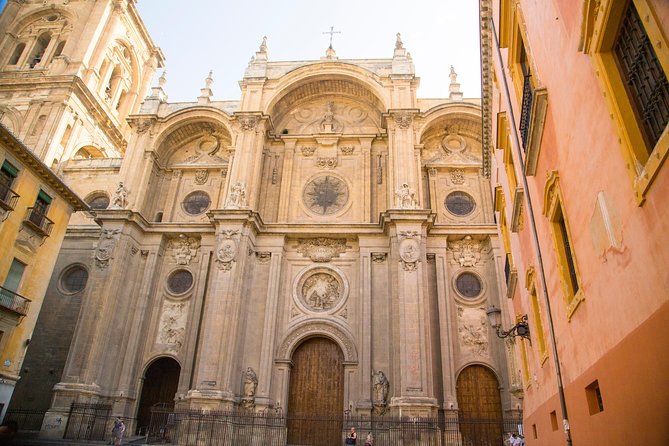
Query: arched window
{"x":18,"y":51}
{"x":39,"y":49}
{"x":88,"y":152}
{"x":59,"y":48}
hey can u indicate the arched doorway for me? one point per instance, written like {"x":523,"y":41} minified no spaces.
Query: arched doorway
{"x":161,"y":381}
{"x":316,"y":394}
{"x":480,"y":407}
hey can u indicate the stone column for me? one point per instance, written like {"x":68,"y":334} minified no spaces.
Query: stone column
{"x":246,"y":170}
{"x":413,"y":389}
{"x":402,"y":162}
{"x":286,"y":178}
{"x":365,"y":353}
{"x":446,"y":334}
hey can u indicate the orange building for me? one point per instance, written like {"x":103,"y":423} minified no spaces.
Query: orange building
{"x":577,"y":99}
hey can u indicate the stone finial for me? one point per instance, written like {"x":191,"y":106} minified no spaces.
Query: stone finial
{"x":206,"y":93}
{"x":398,"y":42}
{"x":330,"y":53}
{"x":263,"y":45}
{"x":162,"y":80}
{"x":209,"y":80}
{"x":454,"y":88}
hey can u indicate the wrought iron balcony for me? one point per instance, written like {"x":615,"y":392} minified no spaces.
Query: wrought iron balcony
{"x":526,"y":111}
{"x":38,"y":222}
{"x":8,"y":197}
{"x":14,"y":301}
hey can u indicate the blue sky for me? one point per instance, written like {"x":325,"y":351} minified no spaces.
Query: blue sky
{"x":220,"y":35}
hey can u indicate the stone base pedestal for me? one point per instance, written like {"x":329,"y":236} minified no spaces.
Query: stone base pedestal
{"x":414,"y":406}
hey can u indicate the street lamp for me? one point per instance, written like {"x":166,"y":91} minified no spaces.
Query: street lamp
{"x":520,"y":329}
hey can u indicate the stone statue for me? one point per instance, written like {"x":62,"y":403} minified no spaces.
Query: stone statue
{"x":398,"y":42}
{"x":328,"y":123}
{"x":406,"y":198}
{"x":250,"y":383}
{"x":237,"y":198}
{"x":120,"y":197}
{"x":380,"y":387}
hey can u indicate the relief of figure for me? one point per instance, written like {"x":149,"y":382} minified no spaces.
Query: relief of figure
{"x":237,"y":198}
{"x":406,"y":198}
{"x":380,"y":387}
{"x":120,"y":197}
{"x":250,"y":383}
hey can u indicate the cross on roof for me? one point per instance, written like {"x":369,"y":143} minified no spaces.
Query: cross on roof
{"x":331,"y":32}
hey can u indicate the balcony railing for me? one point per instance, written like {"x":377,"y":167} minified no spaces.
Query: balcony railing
{"x":38,"y":222}
{"x":526,"y":111}
{"x":14,"y":301}
{"x":8,"y":197}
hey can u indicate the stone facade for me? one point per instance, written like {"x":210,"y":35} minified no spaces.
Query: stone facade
{"x":328,"y":201}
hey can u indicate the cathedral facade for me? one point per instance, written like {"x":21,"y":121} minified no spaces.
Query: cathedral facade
{"x":324,"y":243}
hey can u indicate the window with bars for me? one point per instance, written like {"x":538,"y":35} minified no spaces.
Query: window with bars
{"x":568,"y":255}
{"x":644,"y":79}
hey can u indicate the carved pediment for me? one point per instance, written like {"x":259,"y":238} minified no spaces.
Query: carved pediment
{"x":321,"y":249}
{"x":330,"y":115}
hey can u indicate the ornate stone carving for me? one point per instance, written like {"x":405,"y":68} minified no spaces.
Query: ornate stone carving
{"x":409,"y":249}
{"x":472,"y":329}
{"x":120,"y":197}
{"x":201,"y":176}
{"x":403,"y":119}
{"x":325,"y":195}
{"x":177,"y":173}
{"x":250,"y":385}
{"x":321,"y":290}
{"x":173,"y":325}
{"x":457,"y":176}
{"x":144,"y":124}
{"x":263,"y":256}
{"x":237,"y":196}
{"x":379,"y":257}
{"x":103,"y":253}
{"x":134,"y":249}
{"x":380,"y":388}
{"x":347,"y":150}
{"x":321,"y":249}
{"x":308,"y":151}
{"x":405,"y":197}
{"x":309,"y":329}
{"x":226,"y":251}
{"x":327,"y":163}
{"x":183,"y":249}
{"x":328,"y":123}
{"x":432,"y":172}
{"x":466,"y":252}
{"x":431,"y":258}
{"x":247,"y":123}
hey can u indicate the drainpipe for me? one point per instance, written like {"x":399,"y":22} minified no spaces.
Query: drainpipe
{"x":535,"y":238}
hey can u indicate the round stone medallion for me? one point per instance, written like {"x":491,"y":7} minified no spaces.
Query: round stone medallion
{"x":321,"y":289}
{"x":325,"y":195}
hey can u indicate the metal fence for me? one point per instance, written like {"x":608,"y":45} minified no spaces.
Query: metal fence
{"x":89,"y":422}
{"x":26,"y":419}
{"x":213,"y":428}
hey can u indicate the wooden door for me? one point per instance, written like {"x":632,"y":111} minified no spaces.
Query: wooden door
{"x":161,"y":381}
{"x":480,"y":407}
{"x":316,"y":394}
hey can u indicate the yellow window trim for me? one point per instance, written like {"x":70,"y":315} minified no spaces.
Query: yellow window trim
{"x":598,"y":32}
{"x":553,"y":210}
{"x":518,"y":39}
{"x":530,"y":285}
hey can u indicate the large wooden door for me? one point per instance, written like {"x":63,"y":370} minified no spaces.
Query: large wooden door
{"x":161,"y":381}
{"x":316,"y":395}
{"x":480,"y":407}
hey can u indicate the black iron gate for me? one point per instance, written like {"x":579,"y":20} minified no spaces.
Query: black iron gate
{"x":89,"y":422}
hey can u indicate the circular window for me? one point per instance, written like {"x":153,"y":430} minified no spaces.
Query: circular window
{"x":74,"y":279}
{"x":460,"y":203}
{"x":99,"y":201}
{"x":325,"y":195}
{"x":468,"y":284}
{"x":180,"y":281}
{"x":196,"y":202}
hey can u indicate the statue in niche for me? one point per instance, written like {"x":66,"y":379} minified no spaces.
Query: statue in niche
{"x":380,"y":387}
{"x":237,"y":197}
{"x":328,"y":122}
{"x":120,"y":197}
{"x":406,"y":198}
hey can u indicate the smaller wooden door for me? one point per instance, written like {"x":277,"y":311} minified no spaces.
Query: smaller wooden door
{"x":316,"y":394}
{"x":160,"y":385}
{"x":480,"y":407}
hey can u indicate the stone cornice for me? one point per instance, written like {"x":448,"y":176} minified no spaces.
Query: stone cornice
{"x":22,"y":152}
{"x":485,"y":11}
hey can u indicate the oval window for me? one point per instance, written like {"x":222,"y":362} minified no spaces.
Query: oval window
{"x":196,"y":202}
{"x":460,"y":203}
{"x":99,"y":201}
{"x":74,"y":279}
{"x":468,"y":284}
{"x":180,"y":281}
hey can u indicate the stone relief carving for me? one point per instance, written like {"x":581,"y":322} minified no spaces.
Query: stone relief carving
{"x":173,"y":325}
{"x":183,"y":248}
{"x":405,"y":197}
{"x":329,"y":124}
{"x":457,"y":176}
{"x":403,"y":120}
{"x":379,"y":170}
{"x":347,"y":150}
{"x":466,"y":252}
{"x":379,"y":257}
{"x":313,"y":117}
{"x":204,"y":151}
{"x":201,"y":176}
{"x":380,"y":389}
{"x":321,"y":291}
{"x":237,"y":196}
{"x":247,"y":123}
{"x":473,"y":330}
{"x":263,"y":256}
{"x":308,"y":151}
{"x":315,"y":328}
{"x":250,"y":385}
{"x":226,"y":251}
{"x":325,"y":195}
{"x":177,"y":173}
{"x":144,"y":124}
{"x":409,"y":249}
{"x":103,"y":253}
{"x":327,"y":163}
{"x":321,"y":249}
{"x":120,"y":197}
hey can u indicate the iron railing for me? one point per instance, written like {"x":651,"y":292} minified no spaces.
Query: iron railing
{"x":275,"y":429}
{"x":526,"y":111}
{"x":13,"y":301}
{"x":26,"y":419}
{"x":8,"y":197}
{"x":39,"y":222}
{"x":91,"y":422}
